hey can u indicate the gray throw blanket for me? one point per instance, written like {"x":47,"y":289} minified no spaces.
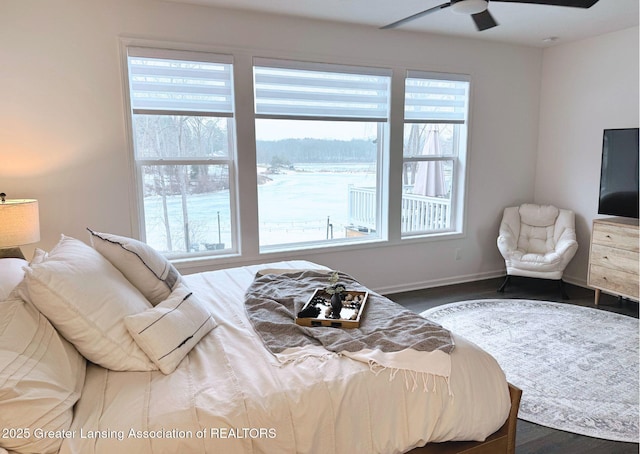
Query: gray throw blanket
{"x":273,"y":300}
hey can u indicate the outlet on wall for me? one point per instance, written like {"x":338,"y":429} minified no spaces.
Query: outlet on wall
{"x":458,"y":254}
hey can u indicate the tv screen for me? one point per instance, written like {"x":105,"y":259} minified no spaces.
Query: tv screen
{"x":619,"y":173}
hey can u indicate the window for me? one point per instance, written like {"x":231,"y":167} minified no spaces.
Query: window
{"x":322,"y":153}
{"x":435,"y":137}
{"x":183,"y":138}
{"x":320,"y":142}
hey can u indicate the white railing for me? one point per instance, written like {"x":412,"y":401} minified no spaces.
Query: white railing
{"x":423,"y":213}
{"x":362,"y":207}
{"x":419,"y":213}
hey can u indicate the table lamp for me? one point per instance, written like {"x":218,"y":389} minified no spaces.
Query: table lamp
{"x":19,"y":225}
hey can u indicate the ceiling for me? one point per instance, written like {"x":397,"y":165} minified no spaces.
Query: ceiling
{"x":528,"y":24}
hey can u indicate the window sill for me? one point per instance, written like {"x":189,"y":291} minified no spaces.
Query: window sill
{"x":188,"y":265}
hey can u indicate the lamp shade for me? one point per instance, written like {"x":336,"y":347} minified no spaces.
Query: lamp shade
{"x":19,"y":222}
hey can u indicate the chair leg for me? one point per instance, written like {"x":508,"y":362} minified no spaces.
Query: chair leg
{"x":565,"y":296}
{"x":504,"y":284}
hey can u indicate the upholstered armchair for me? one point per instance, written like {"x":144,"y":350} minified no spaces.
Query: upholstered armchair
{"x":537,"y":241}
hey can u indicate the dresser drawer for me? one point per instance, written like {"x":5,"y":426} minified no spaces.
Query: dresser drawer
{"x":620,"y":236}
{"x":614,"y":258}
{"x":616,"y":281}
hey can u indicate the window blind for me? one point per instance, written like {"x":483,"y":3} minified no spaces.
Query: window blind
{"x":178,"y":82}
{"x":320,"y":91}
{"x":435,"y":99}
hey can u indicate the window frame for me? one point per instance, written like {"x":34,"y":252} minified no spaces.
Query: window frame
{"x":382,"y":121}
{"x":134,"y":50}
{"x":458,"y":156}
{"x":242,"y":174}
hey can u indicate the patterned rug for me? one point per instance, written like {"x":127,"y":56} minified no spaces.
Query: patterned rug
{"x":577,"y":366}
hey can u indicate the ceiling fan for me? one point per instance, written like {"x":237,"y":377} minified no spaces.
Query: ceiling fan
{"x":478,"y":9}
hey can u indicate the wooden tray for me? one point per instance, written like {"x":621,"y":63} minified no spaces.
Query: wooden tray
{"x":349,"y":317}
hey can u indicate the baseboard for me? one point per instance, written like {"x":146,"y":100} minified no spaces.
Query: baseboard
{"x":409,"y":287}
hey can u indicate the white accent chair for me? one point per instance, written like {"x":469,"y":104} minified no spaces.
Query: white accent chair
{"x":537,"y":241}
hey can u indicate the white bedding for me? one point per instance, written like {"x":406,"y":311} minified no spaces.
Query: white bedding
{"x":230,"y":395}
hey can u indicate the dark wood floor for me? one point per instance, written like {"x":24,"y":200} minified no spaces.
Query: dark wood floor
{"x":531,"y":438}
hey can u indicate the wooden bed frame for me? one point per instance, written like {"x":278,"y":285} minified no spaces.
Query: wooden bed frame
{"x":501,"y":442}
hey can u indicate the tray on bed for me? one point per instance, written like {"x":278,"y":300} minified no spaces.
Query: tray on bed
{"x":350,"y":314}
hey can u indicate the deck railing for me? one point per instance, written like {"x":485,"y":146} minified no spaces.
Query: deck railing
{"x":362,"y":207}
{"x":419,"y":213}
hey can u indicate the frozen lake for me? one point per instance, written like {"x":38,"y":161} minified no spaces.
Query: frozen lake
{"x":293,"y":207}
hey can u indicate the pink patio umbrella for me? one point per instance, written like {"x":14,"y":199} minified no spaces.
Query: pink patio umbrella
{"x":430,"y":174}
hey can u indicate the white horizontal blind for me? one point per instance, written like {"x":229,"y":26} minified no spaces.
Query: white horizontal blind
{"x":442,"y":100}
{"x":320,"y":91}
{"x":179,"y":82}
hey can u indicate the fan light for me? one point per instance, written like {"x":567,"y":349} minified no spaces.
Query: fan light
{"x":469,"y":6}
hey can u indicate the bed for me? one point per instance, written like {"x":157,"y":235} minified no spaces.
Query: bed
{"x":105,"y":348}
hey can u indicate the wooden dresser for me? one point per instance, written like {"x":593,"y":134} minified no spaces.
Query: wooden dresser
{"x":614,"y":257}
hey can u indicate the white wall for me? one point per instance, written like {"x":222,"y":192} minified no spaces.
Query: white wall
{"x":63,"y":136}
{"x":587,"y":86}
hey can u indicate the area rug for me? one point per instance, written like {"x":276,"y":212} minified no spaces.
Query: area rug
{"x":577,"y":366}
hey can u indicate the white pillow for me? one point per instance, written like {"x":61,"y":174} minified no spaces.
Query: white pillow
{"x":41,"y":378}
{"x":86,"y":299}
{"x":39,"y":256}
{"x":11,"y":274}
{"x":145,"y":267}
{"x":171,"y":329}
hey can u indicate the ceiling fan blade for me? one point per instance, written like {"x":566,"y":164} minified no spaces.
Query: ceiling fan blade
{"x":484,"y":20}
{"x":416,"y":16}
{"x":571,"y":3}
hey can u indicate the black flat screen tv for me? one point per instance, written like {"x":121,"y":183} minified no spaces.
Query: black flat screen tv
{"x":619,"y":173}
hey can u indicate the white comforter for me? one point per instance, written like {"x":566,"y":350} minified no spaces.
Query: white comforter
{"x":230,"y":395}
